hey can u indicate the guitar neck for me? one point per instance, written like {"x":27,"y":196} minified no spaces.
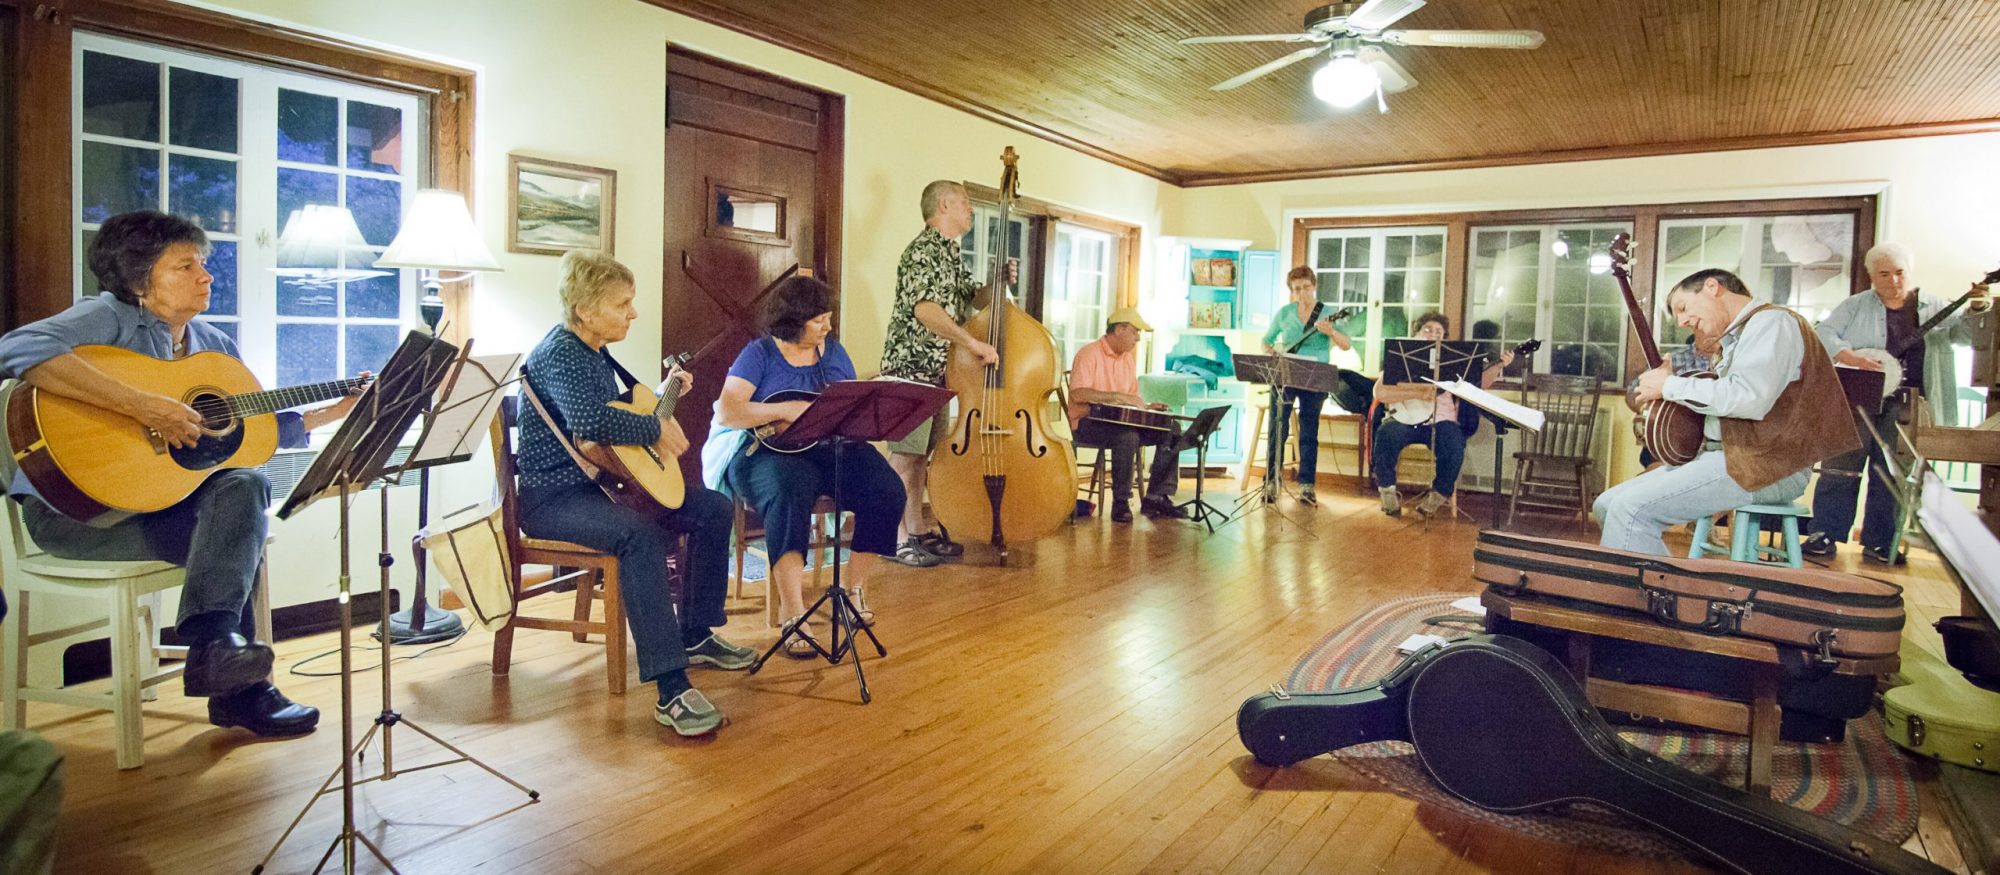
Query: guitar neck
{"x":274,"y":400}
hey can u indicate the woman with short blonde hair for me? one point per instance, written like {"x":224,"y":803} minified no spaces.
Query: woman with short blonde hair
{"x":588,"y":276}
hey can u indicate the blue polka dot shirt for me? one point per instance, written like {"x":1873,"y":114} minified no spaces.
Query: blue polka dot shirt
{"x":574,"y":382}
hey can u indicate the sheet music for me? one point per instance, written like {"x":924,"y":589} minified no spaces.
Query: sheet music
{"x":1521,"y":415}
{"x":1964,"y":541}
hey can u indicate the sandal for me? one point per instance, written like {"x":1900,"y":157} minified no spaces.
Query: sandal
{"x":913,"y":554}
{"x":940,"y":544}
{"x":802,"y":645}
{"x":864,"y":616}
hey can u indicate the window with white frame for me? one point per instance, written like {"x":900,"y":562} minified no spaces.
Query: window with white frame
{"x":979,"y":243}
{"x":1540,"y":281}
{"x":236,"y":148}
{"x":1397,"y":274}
{"x":1080,"y":288}
{"x":1802,"y":262}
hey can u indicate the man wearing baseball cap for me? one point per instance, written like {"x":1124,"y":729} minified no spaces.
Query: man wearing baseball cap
{"x":1106,"y":371}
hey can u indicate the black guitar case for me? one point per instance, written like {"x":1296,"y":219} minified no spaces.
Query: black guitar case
{"x":1500,"y":723}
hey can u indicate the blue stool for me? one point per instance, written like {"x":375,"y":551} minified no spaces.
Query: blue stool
{"x":1746,"y":530}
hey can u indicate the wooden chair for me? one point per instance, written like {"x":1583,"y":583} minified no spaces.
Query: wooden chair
{"x":747,"y":526}
{"x":1552,"y":469}
{"x":130,"y":593}
{"x":594,"y":573}
{"x":1094,"y":485}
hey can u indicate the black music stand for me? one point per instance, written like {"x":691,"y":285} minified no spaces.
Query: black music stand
{"x":1415,"y":360}
{"x":1280,"y":372}
{"x":358,"y":455}
{"x":1198,"y":432}
{"x":851,"y":412}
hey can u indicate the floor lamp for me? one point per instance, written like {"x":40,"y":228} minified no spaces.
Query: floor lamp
{"x":439,"y":240}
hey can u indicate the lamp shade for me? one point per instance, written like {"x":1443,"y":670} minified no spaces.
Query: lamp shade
{"x":312,"y":242}
{"x":438,"y":234}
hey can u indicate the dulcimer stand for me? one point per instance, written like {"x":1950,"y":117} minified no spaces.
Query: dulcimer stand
{"x":848,"y":415}
{"x":357,"y":456}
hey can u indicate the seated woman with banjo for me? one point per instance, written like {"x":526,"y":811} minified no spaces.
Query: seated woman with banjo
{"x":768,"y":387}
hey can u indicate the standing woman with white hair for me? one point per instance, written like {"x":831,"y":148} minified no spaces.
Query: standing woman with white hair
{"x":1886,"y":320}
{"x":572,"y":374}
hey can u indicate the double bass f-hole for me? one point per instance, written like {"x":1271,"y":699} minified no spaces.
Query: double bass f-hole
{"x":1028,"y":435}
{"x":970,"y":428}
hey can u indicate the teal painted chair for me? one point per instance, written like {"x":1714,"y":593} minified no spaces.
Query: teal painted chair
{"x":1746,"y":531}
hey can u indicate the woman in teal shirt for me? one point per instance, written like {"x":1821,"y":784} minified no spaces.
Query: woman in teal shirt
{"x":1288,"y":328}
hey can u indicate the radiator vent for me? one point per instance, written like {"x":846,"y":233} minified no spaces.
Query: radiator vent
{"x":285,"y":469}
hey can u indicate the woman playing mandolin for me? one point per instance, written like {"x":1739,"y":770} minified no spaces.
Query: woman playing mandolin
{"x":1291,"y":333}
{"x":797,"y":354}
{"x":572,"y":374}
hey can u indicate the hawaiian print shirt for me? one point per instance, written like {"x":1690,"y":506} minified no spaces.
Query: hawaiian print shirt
{"x":931,"y":270}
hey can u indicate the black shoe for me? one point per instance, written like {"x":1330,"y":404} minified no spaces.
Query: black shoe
{"x":221,"y":666}
{"x":263,"y":710}
{"x":1121,"y":512}
{"x":1817,"y":545}
{"x":1882,"y":556}
{"x":1161,"y":508}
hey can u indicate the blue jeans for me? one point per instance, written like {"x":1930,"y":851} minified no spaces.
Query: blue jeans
{"x":1309,"y":405}
{"x":784,"y":487}
{"x":582,"y":514}
{"x":1634,"y":513}
{"x":1833,"y":501}
{"x":1447,"y":443}
{"x":217,"y":534}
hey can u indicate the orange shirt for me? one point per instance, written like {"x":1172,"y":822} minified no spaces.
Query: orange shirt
{"x":1097,"y":367}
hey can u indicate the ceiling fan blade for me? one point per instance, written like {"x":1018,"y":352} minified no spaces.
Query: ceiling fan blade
{"x":1377,"y":14}
{"x":1278,"y":64}
{"x":1465,"y":39}
{"x":1254,"y":38}
{"x":1394,"y":77}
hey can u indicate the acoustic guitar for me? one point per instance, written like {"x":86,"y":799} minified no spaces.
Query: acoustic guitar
{"x":1499,"y":723}
{"x":642,"y":477}
{"x":97,"y":466}
{"x":1672,"y":432}
{"x":1418,"y":411}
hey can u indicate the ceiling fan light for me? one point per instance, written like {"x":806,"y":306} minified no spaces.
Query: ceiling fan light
{"x":1345,"y":82}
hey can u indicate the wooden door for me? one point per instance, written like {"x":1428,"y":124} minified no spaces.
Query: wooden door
{"x":753,"y":189}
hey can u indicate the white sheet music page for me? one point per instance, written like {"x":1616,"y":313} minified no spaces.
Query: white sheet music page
{"x":1518,"y":414}
{"x":1965,"y":542}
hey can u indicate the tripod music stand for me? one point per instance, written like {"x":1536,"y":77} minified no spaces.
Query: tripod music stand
{"x":851,"y":412}
{"x":1280,"y":372}
{"x":1414,"y":360}
{"x":1198,"y":432}
{"x":358,"y":455}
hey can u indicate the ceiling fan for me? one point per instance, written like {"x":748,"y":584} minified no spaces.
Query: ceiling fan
{"x":1359,"y":69}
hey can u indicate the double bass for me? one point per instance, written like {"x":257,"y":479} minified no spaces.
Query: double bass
{"x":1004,"y":475}
{"x":1671,"y":432}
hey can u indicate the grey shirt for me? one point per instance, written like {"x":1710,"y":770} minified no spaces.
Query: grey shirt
{"x":1761,"y":355}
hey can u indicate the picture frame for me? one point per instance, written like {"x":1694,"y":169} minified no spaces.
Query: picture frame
{"x":554,"y":206}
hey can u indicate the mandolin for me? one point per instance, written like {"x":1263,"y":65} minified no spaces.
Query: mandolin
{"x":642,"y":477}
{"x":1672,"y":432}
{"x":1418,"y":411}
{"x":1314,"y":318}
{"x":764,"y":433}
{"x":1499,"y":723}
{"x":97,"y":466}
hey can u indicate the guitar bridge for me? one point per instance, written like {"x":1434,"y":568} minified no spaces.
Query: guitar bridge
{"x":159,"y":443}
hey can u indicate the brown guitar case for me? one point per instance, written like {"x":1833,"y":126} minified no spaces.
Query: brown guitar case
{"x":1829,"y":613}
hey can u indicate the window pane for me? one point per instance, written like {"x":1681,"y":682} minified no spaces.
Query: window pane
{"x":1806,"y":262}
{"x":377,"y":205}
{"x":201,"y":110}
{"x":119,"y":179}
{"x":1329,"y":253}
{"x":305,"y":297}
{"x":368,"y":347}
{"x":306,"y":353}
{"x":375,"y":297}
{"x":1357,"y":251}
{"x":203,"y":191}
{"x":296,"y":188}
{"x":374,"y":137}
{"x":306,"y":127}
{"x":121,"y":97}
{"x":222,"y":265}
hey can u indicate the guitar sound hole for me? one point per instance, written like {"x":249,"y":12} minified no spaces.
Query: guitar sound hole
{"x":214,"y":412}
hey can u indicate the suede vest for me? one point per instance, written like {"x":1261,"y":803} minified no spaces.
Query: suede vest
{"x":1809,"y":422}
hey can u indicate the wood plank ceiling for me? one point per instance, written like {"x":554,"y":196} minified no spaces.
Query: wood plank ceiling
{"x":1642,"y":77}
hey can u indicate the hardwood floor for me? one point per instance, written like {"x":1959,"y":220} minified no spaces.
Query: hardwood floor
{"x":1074,"y":716}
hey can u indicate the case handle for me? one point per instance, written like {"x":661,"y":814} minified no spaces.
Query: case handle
{"x":1724,"y":617}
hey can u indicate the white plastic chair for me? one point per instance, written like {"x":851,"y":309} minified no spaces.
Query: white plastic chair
{"x":130,"y":593}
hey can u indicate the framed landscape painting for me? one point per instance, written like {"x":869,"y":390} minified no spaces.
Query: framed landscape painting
{"x":553,"y":207}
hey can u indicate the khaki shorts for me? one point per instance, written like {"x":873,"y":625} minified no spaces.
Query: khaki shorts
{"x":925,"y":437}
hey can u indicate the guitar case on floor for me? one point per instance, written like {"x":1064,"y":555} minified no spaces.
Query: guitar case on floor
{"x":1827,"y":613}
{"x":1500,"y":723}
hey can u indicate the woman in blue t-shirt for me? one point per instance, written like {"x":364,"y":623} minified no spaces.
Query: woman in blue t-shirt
{"x":796,"y":353}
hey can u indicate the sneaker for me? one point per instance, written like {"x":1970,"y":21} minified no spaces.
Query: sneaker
{"x":1882,"y":556}
{"x":1817,"y":545}
{"x":940,"y":544}
{"x":721,"y":654}
{"x":1431,"y":503}
{"x":1121,"y":512}
{"x":689,"y":714}
{"x":913,"y":554}
{"x":1161,"y":508}
{"x":1307,"y":495}
{"x":1392,"y":501}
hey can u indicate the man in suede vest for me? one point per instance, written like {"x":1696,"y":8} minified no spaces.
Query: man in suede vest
{"x":1775,"y":411}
